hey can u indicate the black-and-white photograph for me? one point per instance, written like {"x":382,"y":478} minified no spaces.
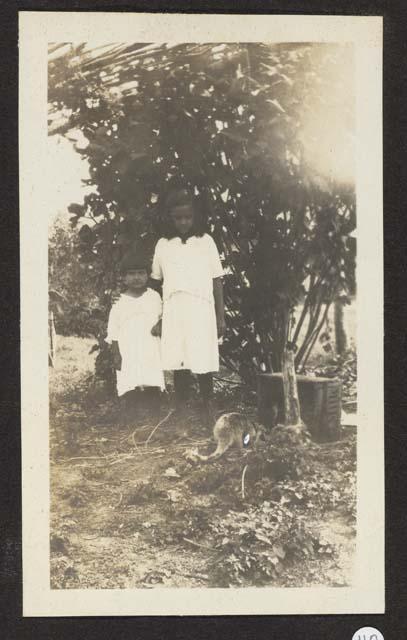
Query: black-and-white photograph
{"x":202,"y":315}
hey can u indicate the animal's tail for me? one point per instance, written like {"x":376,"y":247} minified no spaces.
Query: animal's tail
{"x":219,"y":451}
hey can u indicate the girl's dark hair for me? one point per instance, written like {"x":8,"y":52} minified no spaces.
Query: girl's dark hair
{"x":178,"y":194}
{"x":134,"y":261}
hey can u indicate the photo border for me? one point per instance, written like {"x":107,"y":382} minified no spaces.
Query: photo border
{"x":36,"y":30}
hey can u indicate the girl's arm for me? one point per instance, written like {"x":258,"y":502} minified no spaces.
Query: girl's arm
{"x":156,"y":285}
{"x":156,"y":330}
{"x":113,"y":327}
{"x":219,"y":306}
{"x":116,"y":355}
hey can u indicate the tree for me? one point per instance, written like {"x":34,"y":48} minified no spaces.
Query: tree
{"x":341,"y":341}
{"x":244,"y":124}
{"x":76,"y":281}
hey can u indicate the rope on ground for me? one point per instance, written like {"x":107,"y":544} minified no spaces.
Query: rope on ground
{"x":243,"y":476}
{"x":169,"y":414}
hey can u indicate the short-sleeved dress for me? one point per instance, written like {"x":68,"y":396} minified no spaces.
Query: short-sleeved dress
{"x":189,"y":329}
{"x":130,"y":323}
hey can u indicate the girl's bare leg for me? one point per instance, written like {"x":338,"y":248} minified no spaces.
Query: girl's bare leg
{"x":129,"y":406}
{"x":182,"y":387}
{"x":152,"y":402}
{"x":205,"y":382}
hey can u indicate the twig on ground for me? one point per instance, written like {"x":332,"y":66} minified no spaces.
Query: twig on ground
{"x":236,"y":383}
{"x":200,"y":576}
{"x":120,"y":501}
{"x":86,"y":458}
{"x":131,"y":435}
{"x":169,"y":414}
{"x":243,"y":476}
{"x":184,"y":445}
{"x":124,"y":457}
{"x":198,"y":544}
{"x":133,"y":440}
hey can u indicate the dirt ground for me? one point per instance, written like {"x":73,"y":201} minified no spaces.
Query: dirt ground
{"x":130,"y":510}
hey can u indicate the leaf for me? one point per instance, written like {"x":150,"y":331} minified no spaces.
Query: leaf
{"x":276,"y":104}
{"x":94,"y":348}
{"x":279,"y":551}
{"x":76,"y":209}
{"x":73,"y":220}
{"x":85,"y":233}
{"x":138,"y":155}
{"x":279,"y":568}
{"x":171,"y":473}
{"x":174,"y":495}
{"x":271,"y":71}
{"x":262,"y":537}
{"x":286,"y":79}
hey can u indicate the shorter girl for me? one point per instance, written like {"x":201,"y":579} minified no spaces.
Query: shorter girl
{"x":135,"y":348}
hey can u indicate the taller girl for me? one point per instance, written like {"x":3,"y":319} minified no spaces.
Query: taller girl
{"x":187,"y":261}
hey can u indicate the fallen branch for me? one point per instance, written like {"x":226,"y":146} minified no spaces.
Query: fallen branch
{"x":169,"y":414}
{"x":236,"y":383}
{"x":198,"y":544}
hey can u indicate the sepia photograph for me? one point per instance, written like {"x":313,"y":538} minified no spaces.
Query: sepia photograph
{"x":202,"y":270}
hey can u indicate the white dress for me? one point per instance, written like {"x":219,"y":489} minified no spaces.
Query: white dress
{"x":189,"y":329}
{"x":130,"y":323}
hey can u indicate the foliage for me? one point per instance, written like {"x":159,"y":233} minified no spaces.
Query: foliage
{"x":344,"y":367}
{"x":260,"y":542}
{"x":74,"y":280}
{"x":84,"y":309}
{"x":296,"y":484}
{"x":244,"y":124}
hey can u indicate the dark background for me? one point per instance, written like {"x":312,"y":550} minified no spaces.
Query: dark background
{"x":12,"y":625}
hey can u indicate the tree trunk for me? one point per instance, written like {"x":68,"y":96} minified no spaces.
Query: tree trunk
{"x":291,"y":401}
{"x":340,"y":333}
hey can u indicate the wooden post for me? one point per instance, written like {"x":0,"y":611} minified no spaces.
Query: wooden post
{"x":291,"y":401}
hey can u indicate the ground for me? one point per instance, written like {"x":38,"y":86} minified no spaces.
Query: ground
{"x":129,"y":509}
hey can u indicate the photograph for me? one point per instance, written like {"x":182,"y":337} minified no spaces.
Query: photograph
{"x":201,"y":262}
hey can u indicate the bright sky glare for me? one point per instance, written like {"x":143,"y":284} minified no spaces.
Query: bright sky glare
{"x":66,"y":169}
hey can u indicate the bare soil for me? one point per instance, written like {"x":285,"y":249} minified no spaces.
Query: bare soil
{"x":126,"y":513}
